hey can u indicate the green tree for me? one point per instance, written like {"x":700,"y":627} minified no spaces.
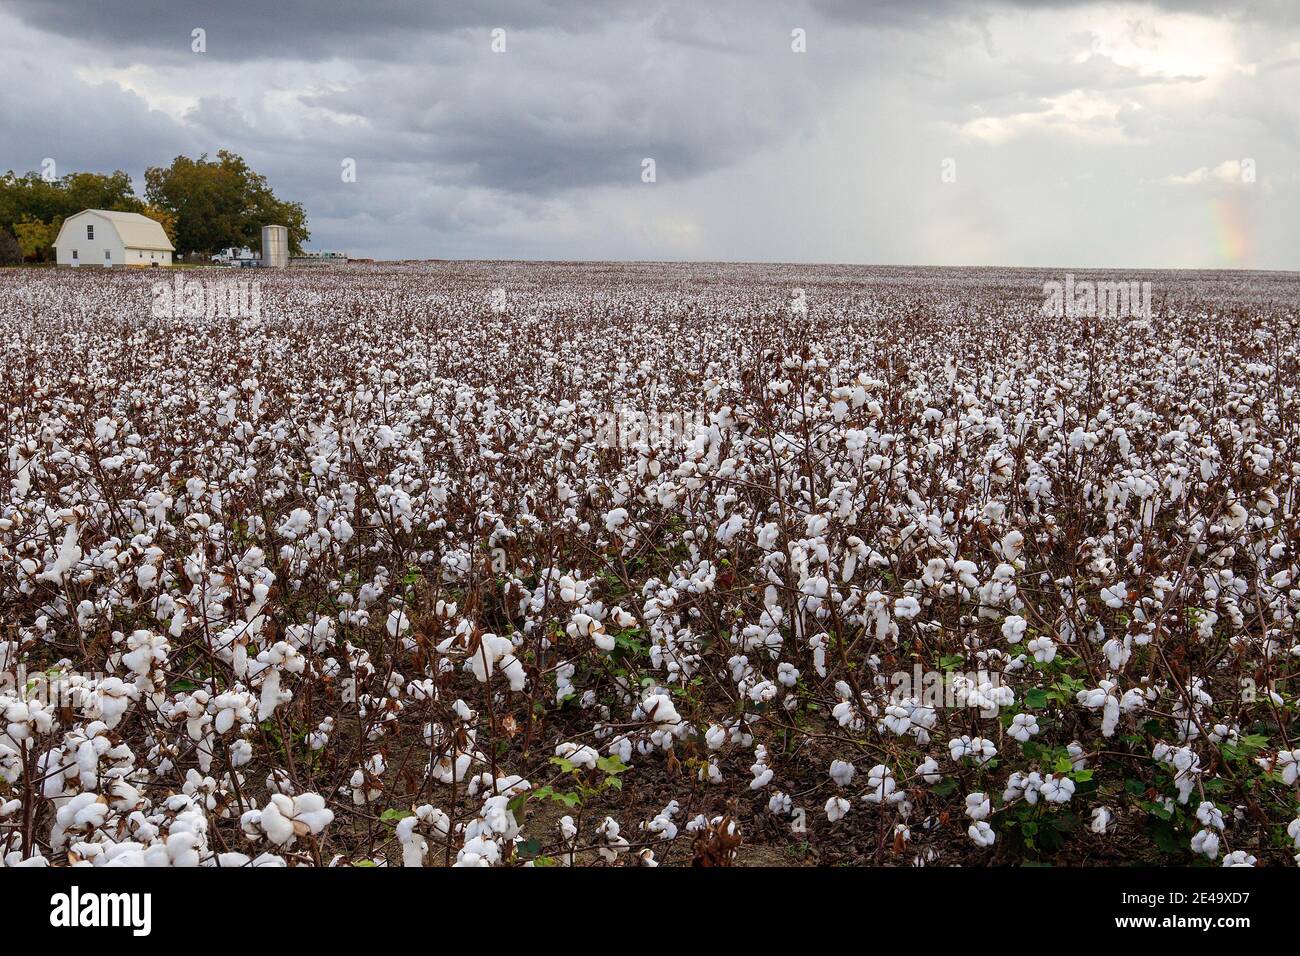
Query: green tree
{"x":220,"y":203}
{"x":97,"y":191}
{"x":36,"y":238}
{"x":31,"y":197}
{"x":11,"y":254}
{"x":203,"y":205}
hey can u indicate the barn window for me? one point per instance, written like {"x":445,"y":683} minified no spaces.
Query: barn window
{"x":108,"y":254}
{"x":74,"y":253}
{"x":90,"y":232}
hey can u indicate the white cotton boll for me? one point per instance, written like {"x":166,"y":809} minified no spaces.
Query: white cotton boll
{"x":1239,"y":858}
{"x":271,"y":696}
{"x":1110,"y":716}
{"x":1078,"y":756}
{"x":981,"y":834}
{"x":1101,"y":819}
{"x":615,"y":844}
{"x":978,"y":806}
{"x":183,"y":848}
{"x":965,"y":571}
{"x":366,"y":780}
{"x":1023,"y":726}
{"x":513,"y":670}
{"x":928,"y":770}
{"x":1118,"y":651}
{"x":1013,"y":628}
{"x":414,"y":845}
{"x":296,"y":524}
{"x":1092,"y":699}
{"x":478,"y":852}
{"x":729,"y":529}
{"x":842,"y":772}
{"x":1012,"y":545}
{"x":1206,"y":843}
{"x":1058,"y":789}
{"x":1209,"y":815}
{"x":310,"y":814}
{"x":66,"y":558}
{"x":398,"y":623}
{"x":583,"y":625}
{"x":715,"y":736}
{"x":1116,"y":595}
{"x":907,"y":608}
{"x":1027,"y":786}
{"x":836,"y":809}
{"x":659,"y":709}
{"x":845,"y":715}
{"x":881,"y":787}
{"x":1043,"y":649}
{"x":579,"y":755}
{"x":1288,"y":761}
{"x":780,"y":804}
{"x":276,"y":820}
{"x":615,"y":519}
{"x":935,"y":571}
{"x":490,"y":650}
{"x":979,"y":748}
{"x":321,"y":735}
{"x":762,"y":692}
{"x":114,"y":697}
{"x":621,"y":747}
{"x":982,"y":749}
{"x":145,"y":650}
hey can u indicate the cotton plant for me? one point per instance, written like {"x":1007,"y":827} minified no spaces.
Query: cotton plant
{"x":284,"y":819}
{"x":405,"y":572}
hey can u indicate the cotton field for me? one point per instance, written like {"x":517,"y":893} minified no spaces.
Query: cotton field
{"x":641,"y":565}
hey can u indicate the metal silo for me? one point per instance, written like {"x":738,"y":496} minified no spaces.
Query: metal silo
{"x":275,"y":246}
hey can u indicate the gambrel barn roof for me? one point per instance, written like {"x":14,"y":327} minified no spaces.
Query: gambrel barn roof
{"x":135,"y":231}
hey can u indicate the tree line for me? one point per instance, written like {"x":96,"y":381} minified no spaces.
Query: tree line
{"x":204,"y":205}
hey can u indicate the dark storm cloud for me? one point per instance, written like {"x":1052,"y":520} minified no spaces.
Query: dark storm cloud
{"x":586,"y":92}
{"x":302,"y":29}
{"x":536,"y":125}
{"x":759,"y":153}
{"x":560,"y":111}
{"x":894,"y":13}
{"x":50,"y":118}
{"x":315,"y":30}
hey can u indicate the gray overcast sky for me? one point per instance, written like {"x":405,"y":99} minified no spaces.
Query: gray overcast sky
{"x":1079,"y":134}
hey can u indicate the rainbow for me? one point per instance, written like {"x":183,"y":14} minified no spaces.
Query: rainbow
{"x":1231,"y":237}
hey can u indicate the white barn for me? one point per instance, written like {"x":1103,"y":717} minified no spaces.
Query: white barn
{"x":99,"y":237}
